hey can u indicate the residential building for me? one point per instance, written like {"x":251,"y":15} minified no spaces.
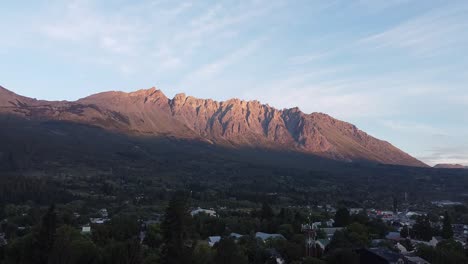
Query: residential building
{"x":199,"y":210}
{"x":85,"y":229}
{"x":416,"y":260}
{"x":380,"y":256}
{"x":212,"y":240}
{"x":265,"y":236}
{"x":330,"y":231}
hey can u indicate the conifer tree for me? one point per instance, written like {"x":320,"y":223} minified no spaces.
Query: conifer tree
{"x":447,"y":231}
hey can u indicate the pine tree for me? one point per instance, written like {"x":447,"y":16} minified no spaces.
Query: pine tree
{"x":228,"y":252}
{"x":267,"y":212}
{"x":404,"y":233}
{"x":46,"y":235}
{"x":395,"y":205}
{"x":423,"y":229}
{"x":177,"y":231}
{"x":342,"y":217}
{"x":12,"y":164}
{"x":447,"y":231}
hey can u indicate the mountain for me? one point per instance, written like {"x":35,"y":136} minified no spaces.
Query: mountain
{"x":233,"y":123}
{"x":450,"y":166}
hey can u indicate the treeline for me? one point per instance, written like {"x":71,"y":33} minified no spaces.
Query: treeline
{"x":181,"y":238}
{"x":42,"y":190}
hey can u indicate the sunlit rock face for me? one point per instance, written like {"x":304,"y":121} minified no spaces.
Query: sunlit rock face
{"x":234,"y":123}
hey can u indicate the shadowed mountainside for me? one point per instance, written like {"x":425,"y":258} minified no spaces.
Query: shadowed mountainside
{"x":233,"y":123}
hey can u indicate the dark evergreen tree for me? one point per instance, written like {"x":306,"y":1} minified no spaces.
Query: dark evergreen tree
{"x":72,"y":248}
{"x":341,"y":256}
{"x":177,"y":231}
{"x":46,"y":235}
{"x":203,"y":254}
{"x":12,"y":164}
{"x":122,"y":252}
{"x":342,"y":217}
{"x":447,"y":231}
{"x":153,"y":237}
{"x":404,"y":232}
{"x":423,"y":229}
{"x":267,"y":212}
{"x":228,"y":252}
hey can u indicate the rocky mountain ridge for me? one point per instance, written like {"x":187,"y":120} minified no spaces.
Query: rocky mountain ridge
{"x":232,"y":123}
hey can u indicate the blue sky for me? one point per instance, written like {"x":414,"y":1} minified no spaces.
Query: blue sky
{"x":398,"y":69}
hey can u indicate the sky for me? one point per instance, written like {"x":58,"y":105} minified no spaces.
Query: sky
{"x":397,"y":69}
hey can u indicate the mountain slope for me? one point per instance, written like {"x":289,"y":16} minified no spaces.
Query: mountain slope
{"x":233,"y":123}
{"x":450,"y":166}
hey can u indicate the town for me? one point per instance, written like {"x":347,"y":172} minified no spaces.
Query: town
{"x":265,"y":234}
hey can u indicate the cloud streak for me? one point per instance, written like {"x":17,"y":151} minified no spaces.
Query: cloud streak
{"x":447,"y":155}
{"x":413,"y":127}
{"x":430,"y":34}
{"x":210,"y":70}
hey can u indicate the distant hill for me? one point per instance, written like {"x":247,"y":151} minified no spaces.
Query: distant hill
{"x":450,"y":166}
{"x":233,"y":124}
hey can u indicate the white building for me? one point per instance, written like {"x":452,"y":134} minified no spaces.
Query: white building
{"x":85,"y":229}
{"x":212,"y":240}
{"x":199,"y":210}
{"x":265,"y":236}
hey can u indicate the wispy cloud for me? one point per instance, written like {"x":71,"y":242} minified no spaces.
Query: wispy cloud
{"x":80,"y":23}
{"x":319,"y":90}
{"x":412,"y":127}
{"x":380,"y":5}
{"x":447,"y":155}
{"x":136,"y":41}
{"x":308,"y":58}
{"x":221,"y":19}
{"x":207,"y":71}
{"x":429,"y":34}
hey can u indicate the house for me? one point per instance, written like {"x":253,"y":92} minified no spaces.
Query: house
{"x":265,"y":236}
{"x":275,"y":256}
{"x":85,"y":229}
{"x":416,"y":260}
{"x":236,"y":236}
{"x":212,"y":240}
{"x":354,"y":211}
{"x":322,"y":243}
{"x":330,"y":231}
{"x":394,"y":236}
{"x":330,"y":209}
{"x":205,"y":211}
{"x":445,"y":203}
{"x":380,"y":256}
{"x":432,"y":243}
{"x":401,"y":248}
{"x":376,"y":242}
{"x":386,"y":215}
{"x":411,"y":214}
{"x":98,"y":221}
{"x":330,"y":223}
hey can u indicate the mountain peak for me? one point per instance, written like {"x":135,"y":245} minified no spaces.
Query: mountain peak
{"x":231,"y":123}
{"x":151,"y":92}
{"x":450,"y":166}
